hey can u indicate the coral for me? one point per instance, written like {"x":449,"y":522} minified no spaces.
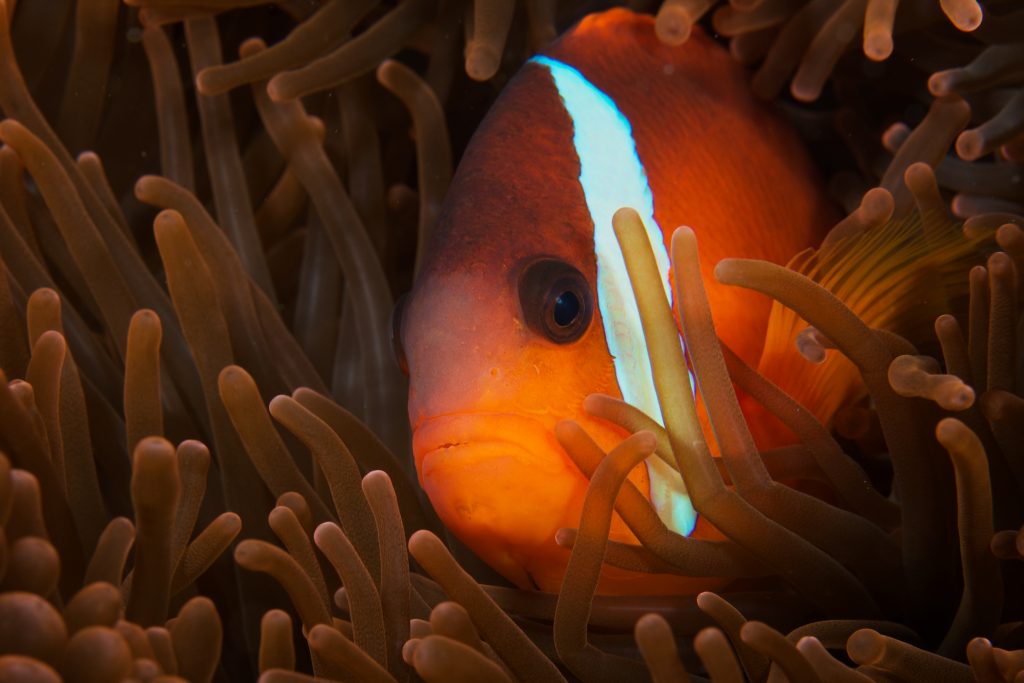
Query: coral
{"x":196,"y":280}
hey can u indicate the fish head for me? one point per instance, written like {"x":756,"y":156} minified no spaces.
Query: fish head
{"x":487,"y":389}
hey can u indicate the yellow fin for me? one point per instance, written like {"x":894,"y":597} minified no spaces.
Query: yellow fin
{"x":897,"y":277}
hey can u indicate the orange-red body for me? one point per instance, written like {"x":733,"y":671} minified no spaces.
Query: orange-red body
{"x":486,"y":389}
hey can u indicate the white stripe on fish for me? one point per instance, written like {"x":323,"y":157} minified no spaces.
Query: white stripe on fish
{"x":612,"y":177}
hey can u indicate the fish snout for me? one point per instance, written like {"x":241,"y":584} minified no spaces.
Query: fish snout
{"x":500,"y":482}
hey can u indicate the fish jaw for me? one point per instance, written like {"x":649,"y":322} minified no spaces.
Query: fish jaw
{"x":503,"y":484}
{"x":498,"y":481}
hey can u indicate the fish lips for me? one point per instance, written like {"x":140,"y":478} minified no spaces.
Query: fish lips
{"x":474,"y":436}
{"x":499,"y":481}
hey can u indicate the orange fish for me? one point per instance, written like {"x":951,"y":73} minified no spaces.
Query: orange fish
{"x":522,"y":307}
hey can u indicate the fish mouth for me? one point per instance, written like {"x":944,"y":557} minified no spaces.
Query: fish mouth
{"x":479,"y":435}
{"x":501,"y":482}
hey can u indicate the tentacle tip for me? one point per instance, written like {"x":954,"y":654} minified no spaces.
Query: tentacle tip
{"x":482,"y":61}
{"x":967,"y":18}
{"x":878,"y":46}
{"x":421,"y":540}
{"x":750,"y":630}
{"x":166,"y":223}
{"x":376,"y":478}
{"x":565,"y":429}
{"x":409,"y":650}
{"x":320,"y":636}
{"x":1007,"y":232}
{"x":1000,"y":264}
{"x":49,"y":296}
{"x":278,"y":402}
{"x":251,"y":46}
{"x":206,"y":82}
{"x":233,"y":522}
{"x":941,"y":83}
{"x":805,"y":92}
{"x":10,"y":128}
{"x":673,"y":25}
{"x":970,"y":145}
{"x":807,"y":642}
{"x":945,"y":322}
{"x":645,"y":441}
{"x":591,"y":402}
{"x":978,"y":645}
{"x":278,"y":90}
{"x":725,"y":270}
{"x":650,"y":620}
{"x":50,"y":337}
{"x":232,"y":376}
{"x":384,"y":71}
{"x":142,"y":187}
{"x":948,"y":429}
{"x":963,"y":399}
{"x":154,"y":445}
{"x":684,"y":232}
{"x":918,"y":173}
{"x":878,"y":197}
{"x":245,"y":550}
{"x":625,"y":215}
{"x":278,"y":512}
{"x":865,"y":646}
{"x":323,"y":530}
{"x":706,"y":600}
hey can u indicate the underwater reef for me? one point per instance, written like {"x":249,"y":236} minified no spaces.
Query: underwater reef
{"x":207,"y":211}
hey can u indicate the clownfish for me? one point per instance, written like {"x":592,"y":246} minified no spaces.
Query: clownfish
{"x":522,"y":306}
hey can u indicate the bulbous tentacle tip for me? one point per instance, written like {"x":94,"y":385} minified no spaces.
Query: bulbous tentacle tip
{"x":422,"y":539}
{"x":684,"y":232}
{"x":278,"y":402}
{"x":278,"y":88}
{"x":726,"y":271}
{"x":965,"y":15}
{"x":386,"y":70}
{"x":878,"y":46}
{"x":673,"y":25}
{"x":376,"y":478}
{"x":865,"y":647}
{"x":942,"y":83}
{"x":625,"y":213}
{"x":970,"y":145}
{"x":645,"y":441}
{"x":233,"y":377}
{"x":10,"y":130}
{"x":251,"y":46}
{"x":482,"y":61}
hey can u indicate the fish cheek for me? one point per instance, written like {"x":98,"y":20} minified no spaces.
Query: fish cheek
{"x":453,"y":331}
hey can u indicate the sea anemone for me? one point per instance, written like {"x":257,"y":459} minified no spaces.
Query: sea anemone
{"x":204,"y":467}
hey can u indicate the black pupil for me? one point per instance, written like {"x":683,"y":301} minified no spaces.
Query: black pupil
{"x":567,"y":307}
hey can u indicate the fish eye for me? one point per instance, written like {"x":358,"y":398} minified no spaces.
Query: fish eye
{"x":555,"y":300}
{"x":396,"y":334}
{"x":567,"y":308}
